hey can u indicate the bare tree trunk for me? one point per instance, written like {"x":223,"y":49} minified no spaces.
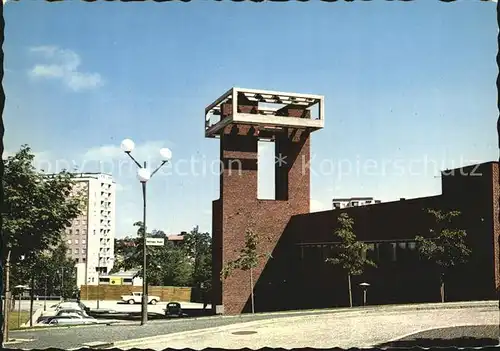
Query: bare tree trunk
{"x":32,"y":297}
{"x":442,"y":288}
{"x":350,"y":289}
{"x":251,"y":290}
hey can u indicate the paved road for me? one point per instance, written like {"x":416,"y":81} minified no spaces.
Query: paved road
{"x":346,"y":330}
{"x":341,"y":327}
{"x":74,"y":337}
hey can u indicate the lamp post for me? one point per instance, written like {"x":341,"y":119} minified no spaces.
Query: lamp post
{"x":20,"y":289}
{"x":45,"y":295}
{"x":364,"y":286}
{"x":143,"y":174}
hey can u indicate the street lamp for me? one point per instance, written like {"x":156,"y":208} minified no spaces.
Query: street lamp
{"x":20,"y":289}
{"x":143,"y":174}
{"x":364,"y":286}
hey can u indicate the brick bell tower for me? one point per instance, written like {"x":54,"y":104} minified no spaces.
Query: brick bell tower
{"x":240,"y":118}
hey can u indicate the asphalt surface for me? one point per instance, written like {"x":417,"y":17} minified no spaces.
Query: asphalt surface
{"x":463,"y":336}
{"x":74,"y":337}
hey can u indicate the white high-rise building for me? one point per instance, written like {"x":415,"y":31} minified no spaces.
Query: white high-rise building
{"x":90,"y":238}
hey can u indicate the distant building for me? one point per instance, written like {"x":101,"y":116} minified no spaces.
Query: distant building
{"x":176,"y":239}
{"x":353,"y":202}
{"x":90,"y":237}
{"x":121,"y":278}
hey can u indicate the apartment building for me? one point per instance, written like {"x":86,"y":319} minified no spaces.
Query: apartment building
{"x":353,"y":202}
{"x":90,"y":237}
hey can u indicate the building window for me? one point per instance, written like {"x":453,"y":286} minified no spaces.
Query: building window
{"x":84,"y":241}
{"x":76,"y":241}
{"x":83,"y":259}
{"x":77,"y":260}
{"x":69,"y":241}
{"x":386,"y":252}
{"x":84,"y":251}
{"x":77,"y":222}
{"x":354,"y":203}
{"x":394,"y":251}
{"x":77,"y":251}
{"x":69,"y":251}
{"x":77,"y":231}
{"x":412,"y":245}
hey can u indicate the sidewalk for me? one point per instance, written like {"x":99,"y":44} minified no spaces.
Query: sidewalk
{"x":360,"y":327}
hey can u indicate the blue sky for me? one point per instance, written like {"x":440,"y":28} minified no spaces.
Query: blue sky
{"x":409,"y":89}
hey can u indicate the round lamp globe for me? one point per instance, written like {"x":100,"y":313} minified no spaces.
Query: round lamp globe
{"x":166,"y":154}
{"x":143,"y":175}
{"x":127,"y":145}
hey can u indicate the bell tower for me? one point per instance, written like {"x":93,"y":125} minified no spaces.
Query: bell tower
{"x":241,"y":118}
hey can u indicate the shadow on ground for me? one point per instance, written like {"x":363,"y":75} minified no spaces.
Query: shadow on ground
{"x":460,"y":336}
{"x":456,"y":342}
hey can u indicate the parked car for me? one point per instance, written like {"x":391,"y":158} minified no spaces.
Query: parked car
{"x":68,"y":319}
{"x":136,"y":297}
{"x":65,"y":305}
{"x":62,"y":313}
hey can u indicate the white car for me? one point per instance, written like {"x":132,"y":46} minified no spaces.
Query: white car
{"x":136,"y":297}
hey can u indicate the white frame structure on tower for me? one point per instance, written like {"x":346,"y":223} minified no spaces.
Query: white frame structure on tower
{"x":266,"y":116}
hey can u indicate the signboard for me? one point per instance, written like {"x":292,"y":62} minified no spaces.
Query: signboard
{"x":155,"y":241}
{"x":115,"y":281}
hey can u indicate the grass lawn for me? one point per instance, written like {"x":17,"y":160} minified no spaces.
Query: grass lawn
{"x":13,"y":318}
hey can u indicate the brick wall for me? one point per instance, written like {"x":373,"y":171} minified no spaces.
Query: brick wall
{"x":240,"y":208}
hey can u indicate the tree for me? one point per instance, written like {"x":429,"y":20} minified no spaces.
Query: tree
{"x":53,"y":268}
{"x":170,"y":266}
{"x":349,"y":253}
{"x":36,"y":208}
{"x":156,"y":233}
{"x":198,"y":247}
{"x":166,"y":265}
{"x":446,"y":247}
{"x":247,"y":260}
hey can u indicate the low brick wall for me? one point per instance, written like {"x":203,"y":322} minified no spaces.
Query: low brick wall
{"x":114,"y":292}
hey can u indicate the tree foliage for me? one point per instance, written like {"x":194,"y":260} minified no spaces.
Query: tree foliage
{"x":36,"y":208}
{"x":349,"y":253}
{"x":187,"y":264}
{"x":247,"y":260}
{"x":446,"y":245}
{"x":249,"y":256}
{"x":198,"y":247}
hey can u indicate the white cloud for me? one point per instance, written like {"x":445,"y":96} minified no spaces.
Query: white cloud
{"x":63,"y":64}
{"x":150,"y":150}
{"x":317,"y":206}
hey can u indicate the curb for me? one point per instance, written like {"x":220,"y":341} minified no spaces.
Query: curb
{"x":44,"y":328}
